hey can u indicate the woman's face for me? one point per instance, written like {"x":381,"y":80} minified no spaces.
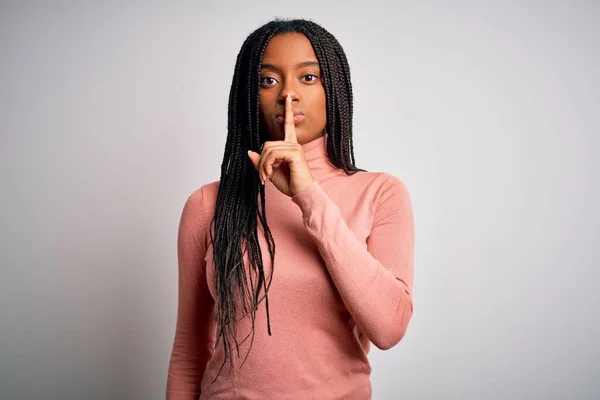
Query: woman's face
{"x":290,"y":65}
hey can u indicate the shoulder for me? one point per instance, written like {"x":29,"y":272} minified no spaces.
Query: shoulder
{"x":378,"y":188}
{"x":374,"y":180}
{"x":202,"y":200}
{"x":388,"y":190}
{"x":205,"y":192}
{"x":385,"y":181}
{"x":197,"y":213}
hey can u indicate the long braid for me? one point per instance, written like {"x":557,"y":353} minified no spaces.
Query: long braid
{"x":234,"y":227}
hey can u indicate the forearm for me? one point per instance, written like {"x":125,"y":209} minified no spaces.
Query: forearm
{"x":379,"y":302}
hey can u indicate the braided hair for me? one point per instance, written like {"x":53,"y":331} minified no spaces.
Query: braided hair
{"x":237,"y":212}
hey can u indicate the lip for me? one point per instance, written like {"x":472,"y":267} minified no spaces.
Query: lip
{"x":297,"y":111}
{"x":298,"y":116}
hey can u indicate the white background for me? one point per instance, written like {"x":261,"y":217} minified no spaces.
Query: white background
{"x":112,"y":113}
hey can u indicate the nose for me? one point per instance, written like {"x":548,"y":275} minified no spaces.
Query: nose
{"x":285,"y":89}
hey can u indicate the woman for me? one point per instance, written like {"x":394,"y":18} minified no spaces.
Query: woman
{"x":295,"y":323}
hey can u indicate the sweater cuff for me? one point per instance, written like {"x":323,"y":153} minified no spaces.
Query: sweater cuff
{"x":309,"y":196}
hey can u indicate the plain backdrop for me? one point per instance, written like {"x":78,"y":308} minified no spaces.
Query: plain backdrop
{"x":112,"y":113}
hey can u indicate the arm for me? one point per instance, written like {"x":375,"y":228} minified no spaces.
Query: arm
{"x":374,"y":281}
{"x":193,"y":343}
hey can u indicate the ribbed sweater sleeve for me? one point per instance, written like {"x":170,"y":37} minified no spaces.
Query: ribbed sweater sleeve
{"x":374,"y":281}
{"x":193,"y":343}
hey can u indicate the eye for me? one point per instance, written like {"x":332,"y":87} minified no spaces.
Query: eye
{"x":267,"y":81}
{"x":312,"y":77}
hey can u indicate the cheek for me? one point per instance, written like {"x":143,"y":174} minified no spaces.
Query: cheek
{"x":322,"y":109}
{"x":263,"y":105}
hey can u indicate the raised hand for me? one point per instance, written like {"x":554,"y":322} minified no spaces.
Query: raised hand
{"x":282,"y":161}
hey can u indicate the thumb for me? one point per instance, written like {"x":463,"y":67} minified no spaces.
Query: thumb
{"x":254,"y":157}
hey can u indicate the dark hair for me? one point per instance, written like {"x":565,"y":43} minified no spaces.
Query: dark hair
{"x":236,"y":211}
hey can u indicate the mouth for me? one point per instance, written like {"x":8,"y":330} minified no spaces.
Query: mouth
{"x":298,"y":116}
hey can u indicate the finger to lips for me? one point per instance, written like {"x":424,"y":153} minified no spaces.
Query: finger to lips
{"x":289,"y":127}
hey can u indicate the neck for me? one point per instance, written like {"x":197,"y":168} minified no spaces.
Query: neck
{"x":315,"y":153}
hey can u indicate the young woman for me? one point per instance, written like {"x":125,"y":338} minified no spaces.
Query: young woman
{"x":295,"y":260}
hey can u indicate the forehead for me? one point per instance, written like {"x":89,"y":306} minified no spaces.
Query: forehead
{"x":289,"y":49}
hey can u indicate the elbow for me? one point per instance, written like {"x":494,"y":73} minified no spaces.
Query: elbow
{"x":396,"y":330}
{"x":390,"y":340}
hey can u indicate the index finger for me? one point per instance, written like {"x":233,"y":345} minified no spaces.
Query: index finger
{"x":289,"y":126}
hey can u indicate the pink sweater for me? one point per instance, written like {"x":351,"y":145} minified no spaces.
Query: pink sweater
{"x":343,"y":278}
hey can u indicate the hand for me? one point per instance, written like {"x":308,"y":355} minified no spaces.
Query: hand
{"x":282,"y":161}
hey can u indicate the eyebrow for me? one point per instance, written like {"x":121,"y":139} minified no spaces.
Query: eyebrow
{"x":298,"y":66}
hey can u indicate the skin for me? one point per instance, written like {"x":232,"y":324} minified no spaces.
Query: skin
{"x":290,"y":84}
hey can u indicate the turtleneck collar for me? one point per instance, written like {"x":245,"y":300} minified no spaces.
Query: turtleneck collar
{"x":315,"y":153}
